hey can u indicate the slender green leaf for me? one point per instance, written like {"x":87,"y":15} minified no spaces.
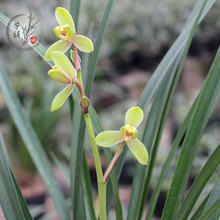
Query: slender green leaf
{"x":200,"y":209}
{"x":32,"y":143}
{"x":85,"y":57}
{"x":215,"y":194}
{"x":199,"y":183}
{"x":94,"y":57}
{"x":200,"y":117}
{"x":26,"y":212}
{"x":166,"y":165}
{"x":88,"y":189}
{"x":64,"y":169}
{"x":76,"y":156}
{"x":71,"y":106}
{"x":172,"y":53}
{"x":74,"y":11}
{"x":140,"y":183}
{"x":9,"y":199}
{"x":211,"y":210}
{"x":148,"y":172}
{"x":90,"y":213}
{"x":153,"y":84}
{"x":4,"y":19}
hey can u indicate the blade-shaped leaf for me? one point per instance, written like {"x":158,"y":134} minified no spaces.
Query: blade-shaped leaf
{"x":76,"y":156}
{"x":88,"y":189}
{"x":200,"y":209}
{"x":148,"y":172}
{"x":74,"y":11}
{"x":166,"y":165}
{"x":153,"y":84}
{"x":64,"y":169}
{"x":94,"y":57}
{"x":23,"y":203}
{"x":152,"y":131}
{"x":200,"y":117}
{"x":32,"y":143}
{"x":199,"y":183}
{"x":215,"y":194}
{"x":85,"y":57}
{"x":9,"y":198}
{"x":211,"y":211}
{"x":172,"y":54}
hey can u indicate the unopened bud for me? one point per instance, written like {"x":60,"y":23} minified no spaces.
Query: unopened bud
{"x":85,"y":104}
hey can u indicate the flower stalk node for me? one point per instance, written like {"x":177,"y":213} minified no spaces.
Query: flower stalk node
{"x":84,"y":103}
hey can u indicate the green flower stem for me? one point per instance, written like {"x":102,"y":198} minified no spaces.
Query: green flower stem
{"x":101,"y":185}
{"x":113,"y":162}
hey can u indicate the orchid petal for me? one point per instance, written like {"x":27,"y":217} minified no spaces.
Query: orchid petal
{"x":64,"y":17}
{"x":83,"y":43}
{"x":63,"y":63}
{"x":60,"y":45}
{"x":57,"y":75}
{"x":134,"y":116}
{"x":109,"y":138}
{"x":139,"y":151}
{"x":61,"y":97}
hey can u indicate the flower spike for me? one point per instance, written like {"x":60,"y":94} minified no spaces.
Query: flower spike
{"x":128,"y":133}
{"x":67,"y":33}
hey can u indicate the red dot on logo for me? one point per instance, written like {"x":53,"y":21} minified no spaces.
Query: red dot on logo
{"x":33,"y":40}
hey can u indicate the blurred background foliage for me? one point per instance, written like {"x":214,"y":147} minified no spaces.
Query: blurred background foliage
{"x":139,"y":34}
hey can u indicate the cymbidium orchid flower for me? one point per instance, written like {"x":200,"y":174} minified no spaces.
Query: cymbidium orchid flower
{"x":67,"y":33}
{"x":128,"y":133}
{"x":62,"y":72}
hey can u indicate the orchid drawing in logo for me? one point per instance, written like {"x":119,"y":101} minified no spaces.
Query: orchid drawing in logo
{"x":23,"y":31}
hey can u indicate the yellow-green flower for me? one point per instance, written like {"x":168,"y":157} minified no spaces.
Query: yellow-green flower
{"x":62,"y":72}
{"x":128,"y":133}
{"x":66,"y":32}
